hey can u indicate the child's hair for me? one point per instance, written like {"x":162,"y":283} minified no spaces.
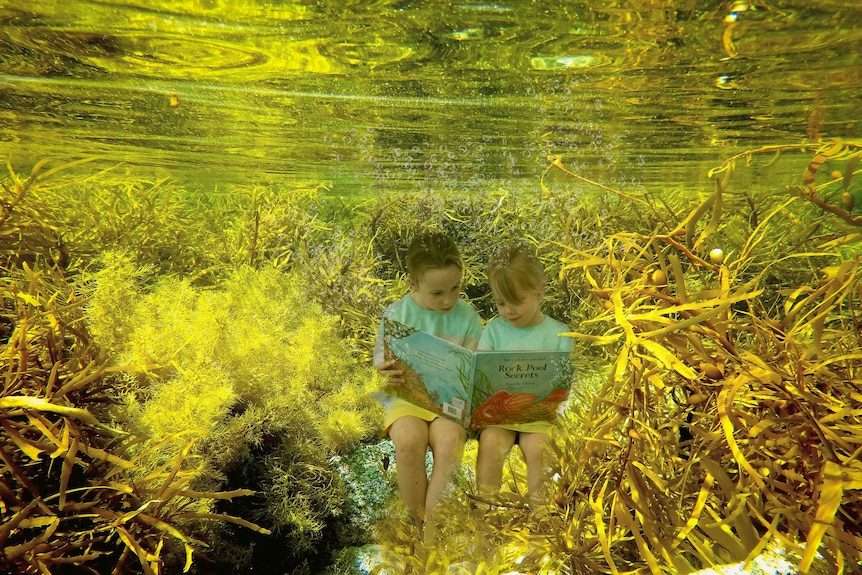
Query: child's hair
{"x":515,"y":269}
{"x":431,"y":250}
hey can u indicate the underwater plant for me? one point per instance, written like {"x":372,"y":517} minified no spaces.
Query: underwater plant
{"x":256,"y":372}
{"x":724,"y":423}
{"x":724,"y":327}
{"x":27,"y":230}
{"x":841,"y":202}
{"x":69,"y":497}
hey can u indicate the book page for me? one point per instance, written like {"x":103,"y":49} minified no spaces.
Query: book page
{"x":519,"y":386}
{"x":436,"y":372}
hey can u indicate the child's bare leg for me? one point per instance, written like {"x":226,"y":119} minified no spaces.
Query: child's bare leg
{"x":494,"y":444}
{"x":446,"y":439}
{"x":447,"y":445}
{"x":410,"y":435}
{"x":535,"y":446}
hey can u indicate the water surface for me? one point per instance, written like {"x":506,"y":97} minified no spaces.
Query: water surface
{"x":434,"y":95}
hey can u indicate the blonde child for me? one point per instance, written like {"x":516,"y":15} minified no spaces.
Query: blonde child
{"x":434,"y":305}
{"x":517,"y":281}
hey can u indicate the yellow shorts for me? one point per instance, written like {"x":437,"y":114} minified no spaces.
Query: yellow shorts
{"x":399,"y":408}
{"x":545,"y":427}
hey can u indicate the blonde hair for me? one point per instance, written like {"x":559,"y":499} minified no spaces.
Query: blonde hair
{"x":514,"y":270}
{"x":431,"y":250}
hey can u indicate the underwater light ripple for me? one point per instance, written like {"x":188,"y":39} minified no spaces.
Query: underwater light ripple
{"x":176,"y":87}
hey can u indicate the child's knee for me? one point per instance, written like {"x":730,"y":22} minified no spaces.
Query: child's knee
{"x":445,"y":432}
{"x":447,"y":446}
{"x":409,"y":439}
{"x":410,"y":444}
{"x":496,"y":440}
{"x":451,"y":446}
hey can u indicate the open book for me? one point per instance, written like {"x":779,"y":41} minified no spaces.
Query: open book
{"x":478,"y":388}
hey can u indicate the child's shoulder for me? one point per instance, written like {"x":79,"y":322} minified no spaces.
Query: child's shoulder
{"x":497,"y":326}
{"x":397,"y":304}
{"x":466,"y":308}
{"x":465,"y":314}
{"x":554,"y":328}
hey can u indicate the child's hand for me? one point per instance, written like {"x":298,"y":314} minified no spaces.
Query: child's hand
{"x":394,"y":376}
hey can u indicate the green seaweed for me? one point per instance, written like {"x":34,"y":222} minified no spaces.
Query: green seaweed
{"x":255,"y":370}
{"x":73,"y":491}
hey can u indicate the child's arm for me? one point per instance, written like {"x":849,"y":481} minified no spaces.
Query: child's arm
{"x":383,"y":364}
{"x":486,"y":342}
{"x":472,"y":344}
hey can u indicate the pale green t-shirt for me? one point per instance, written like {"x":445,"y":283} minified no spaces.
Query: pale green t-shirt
{"x":499,"y":334}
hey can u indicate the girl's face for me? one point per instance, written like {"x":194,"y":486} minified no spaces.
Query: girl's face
{"x":524,"y":313}
{"x":438,"y":289}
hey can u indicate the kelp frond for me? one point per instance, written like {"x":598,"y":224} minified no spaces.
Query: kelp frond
{"x":725,"y":421}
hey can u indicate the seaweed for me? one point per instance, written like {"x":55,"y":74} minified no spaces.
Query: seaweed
{"x":68,"y":498}
{"x":717,"y":338}
{"x":26,"y":231}
{"x":724,"y":423}
{"x":72,"y":492}
{"x":256,"y":372}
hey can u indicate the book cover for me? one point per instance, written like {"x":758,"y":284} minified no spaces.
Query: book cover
{"x":477,"y":388}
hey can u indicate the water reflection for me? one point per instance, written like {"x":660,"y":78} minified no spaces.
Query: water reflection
{"x":390,"y":96}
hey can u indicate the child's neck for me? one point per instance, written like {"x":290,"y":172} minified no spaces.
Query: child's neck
{"x":537,"y":319}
